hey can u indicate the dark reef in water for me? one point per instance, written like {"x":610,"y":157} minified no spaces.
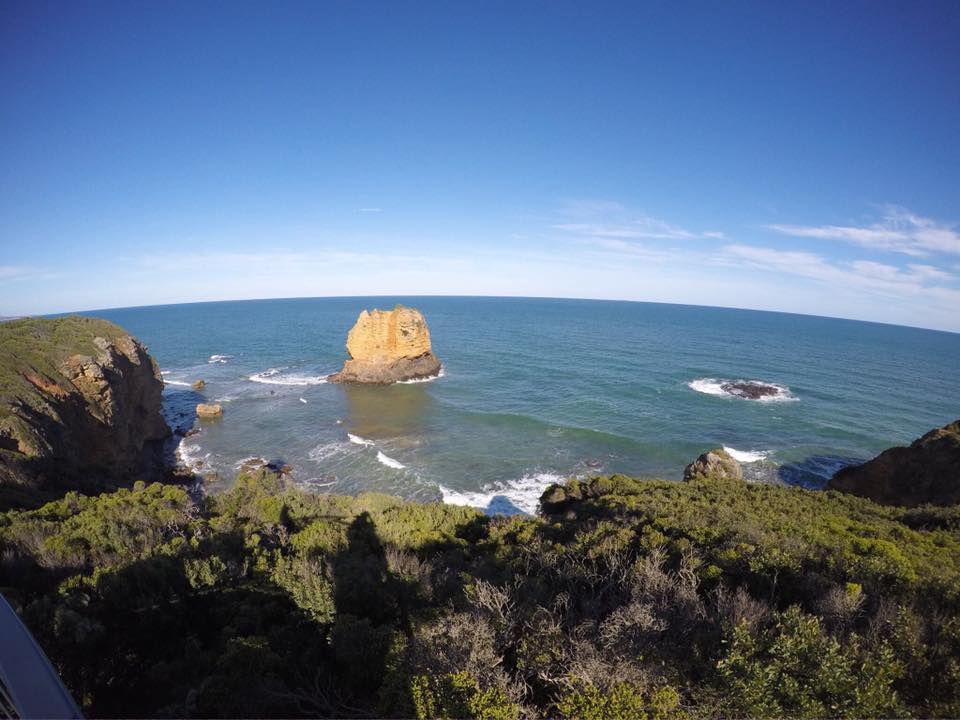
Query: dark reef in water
{"x":751,"y":389}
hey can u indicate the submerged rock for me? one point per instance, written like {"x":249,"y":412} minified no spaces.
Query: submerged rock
{"x":209,"y":411}
{"x":80,"y":407}
{"x":751,"y":389}
{"x":387,"y":347}
{"x":928,"y":471}
{"x":199,"y":385}
{"x":718,"y":464}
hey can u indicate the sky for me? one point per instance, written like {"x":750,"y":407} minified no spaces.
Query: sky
{"x":799,"y":157}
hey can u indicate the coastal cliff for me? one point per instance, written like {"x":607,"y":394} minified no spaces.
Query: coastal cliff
{"x":928,"y":471}
{"x":388,"y":346}
{"x":79,"y":408}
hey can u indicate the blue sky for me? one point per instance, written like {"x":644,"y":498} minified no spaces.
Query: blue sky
{"x":802,"y":157}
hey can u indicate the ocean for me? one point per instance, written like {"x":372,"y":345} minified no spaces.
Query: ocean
{"x":537,"y":390}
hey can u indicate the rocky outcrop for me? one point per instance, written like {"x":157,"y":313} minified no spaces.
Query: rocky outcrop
{"x":928,"y":471}
{"x":387,"y":347}
{"x":717,"y":464}
{"x":751,"y":389}
{"x":205,"y":410}
{"x":79,"y":408}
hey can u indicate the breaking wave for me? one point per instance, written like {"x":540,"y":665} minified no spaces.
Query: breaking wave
{"x":357,"y":440}
{"x":509,"y":497}
{"x":274,"y":376}
{"x":745,"y":456}
{"x":191,"y":456}
{"x":389,"y":461}
{"x":219,"y":358}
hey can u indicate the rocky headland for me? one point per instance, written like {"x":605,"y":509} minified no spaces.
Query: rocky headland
{"x":80,"y":404}
{"x":928,"y":471}
{"x":388,"y":346}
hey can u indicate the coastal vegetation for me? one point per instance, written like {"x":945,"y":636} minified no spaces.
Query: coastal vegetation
{"x":627,"y":598}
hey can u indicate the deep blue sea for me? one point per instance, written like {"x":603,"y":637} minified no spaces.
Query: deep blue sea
{"x":535,"y":390}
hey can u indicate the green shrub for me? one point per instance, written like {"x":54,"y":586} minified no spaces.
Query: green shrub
{"x":458,"y":695}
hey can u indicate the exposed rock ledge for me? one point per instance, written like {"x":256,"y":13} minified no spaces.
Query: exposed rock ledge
{"x":714,"y":464}
{"x":388,"y":346}
{"x":79,"y":408}
{"x":926,"y":472}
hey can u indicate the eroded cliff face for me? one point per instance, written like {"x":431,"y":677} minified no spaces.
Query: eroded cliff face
{"x":928,"y":471}
{"x":387,"y":346}
{"x":80,"y":407}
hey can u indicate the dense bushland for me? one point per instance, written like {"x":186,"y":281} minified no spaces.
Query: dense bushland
{"x":627,"y":599}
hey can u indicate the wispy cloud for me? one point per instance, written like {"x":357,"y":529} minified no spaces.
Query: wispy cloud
{"x":370,"y":210}
{"x":864,"y":275}
{"x":14,"y":272}
{"x":601,"y":219}
{"x":898,"y":230}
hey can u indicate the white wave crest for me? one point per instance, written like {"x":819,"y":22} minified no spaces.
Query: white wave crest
{"x":727,"y":388}
{"x":273,"y":376}
{"x":219,"y":358}
{"x":389,"y":461}
{"x":326,"y":452}
{"x":745,"y":456}
{"x":357,"y":440}
{"x":422,"y":380}
{"x":505,"y":498}
{"x":303,"y":401}
{"x":708,"y":386}
{"x":191,"y":456}
{"x":176,"y":382}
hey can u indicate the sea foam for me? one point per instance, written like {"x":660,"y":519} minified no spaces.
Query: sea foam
{"x":357,"y":440}
{"x":219,"y":358}
{"x":274,"y":376}
{"x":422,"y":380}
{"x":389,"y":461}
{"x":191,"y":456}
{"x":506,"y":497}
{"x":175,"y":382}
{"x":745,"y":456}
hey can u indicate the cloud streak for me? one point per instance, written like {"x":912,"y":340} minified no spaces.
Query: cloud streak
{"x":864,"y":275}
{"x":605,"y":220}
{"x":899,"y":230}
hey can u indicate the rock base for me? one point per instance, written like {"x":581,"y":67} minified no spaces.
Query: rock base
{"x":385,"y":373}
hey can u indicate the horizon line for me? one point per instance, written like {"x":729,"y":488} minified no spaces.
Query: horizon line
{"x":501,"y":297}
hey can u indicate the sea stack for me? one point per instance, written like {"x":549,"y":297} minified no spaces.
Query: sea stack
{"x":388,"y":346}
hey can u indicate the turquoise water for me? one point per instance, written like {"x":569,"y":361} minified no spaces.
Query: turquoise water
{"x":536,"y":390}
